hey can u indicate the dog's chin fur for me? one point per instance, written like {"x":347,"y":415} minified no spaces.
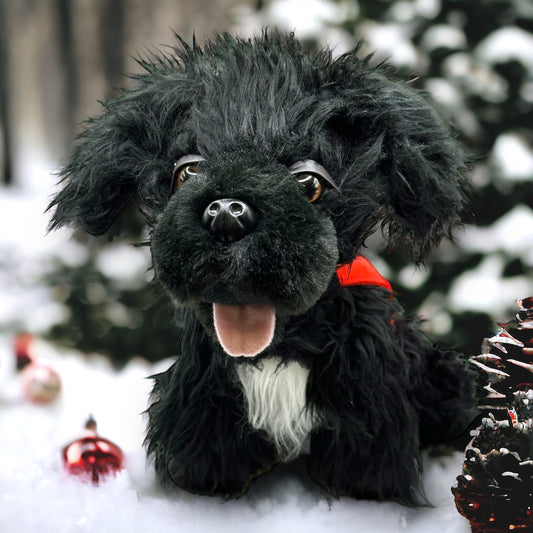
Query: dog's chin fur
{"x":346,"y":380}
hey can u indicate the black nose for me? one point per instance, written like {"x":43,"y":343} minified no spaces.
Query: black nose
{"x":229,"y":220}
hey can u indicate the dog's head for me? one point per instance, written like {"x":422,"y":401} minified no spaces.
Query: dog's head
{"x":260,"y":169}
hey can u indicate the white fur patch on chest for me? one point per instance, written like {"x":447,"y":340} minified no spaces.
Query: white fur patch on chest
{"x":275,"y":399}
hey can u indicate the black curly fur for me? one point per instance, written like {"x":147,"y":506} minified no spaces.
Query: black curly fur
{"x":250,"y":109}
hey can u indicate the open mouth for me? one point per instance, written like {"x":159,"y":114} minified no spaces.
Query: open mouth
{"x":244,"y":330}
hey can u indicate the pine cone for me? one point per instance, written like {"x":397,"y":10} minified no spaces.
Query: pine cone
{"x":495,"y":490}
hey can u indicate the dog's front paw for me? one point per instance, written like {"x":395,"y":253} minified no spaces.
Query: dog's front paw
{"x":210,"y":480}
{"x":377,"y":469}
{"x":199,"y":439}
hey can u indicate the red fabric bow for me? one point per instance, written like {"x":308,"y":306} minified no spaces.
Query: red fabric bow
{"x":361,"y":272}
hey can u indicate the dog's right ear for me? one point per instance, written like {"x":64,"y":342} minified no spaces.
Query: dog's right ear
{"x":98,"y":181}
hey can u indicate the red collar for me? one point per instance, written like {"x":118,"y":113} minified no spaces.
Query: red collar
{"x":361,"y":272}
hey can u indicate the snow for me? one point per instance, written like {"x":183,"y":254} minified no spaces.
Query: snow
{"x":317,"y":19}
{"x":407,"y":10}
{"x":413,"y":276}
{"x":449,"y":97}
{"x":37,"y":494}
{"x":513,"y":157}
{"x":391,"y":42}
{"x":484,"y":288}
{"x":475,"y":76}
{"x":443,"y":36}
{"x":26,"y":252}
{"x":510,"y":234}
{"x":124,"y":264}
{"x":308,"y":16}
{"x":507,"y":44}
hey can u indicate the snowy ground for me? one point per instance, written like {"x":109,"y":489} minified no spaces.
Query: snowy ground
{"x":36,"y":494}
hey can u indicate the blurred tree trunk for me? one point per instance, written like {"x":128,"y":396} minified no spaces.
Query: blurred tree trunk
{"x":112,"y":43}
{"x":65,"y":37}
{"x":6,"y":172}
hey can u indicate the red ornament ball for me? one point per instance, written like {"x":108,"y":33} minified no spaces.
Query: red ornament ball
{"x":40,"y":383}
{"x":92,"y":456}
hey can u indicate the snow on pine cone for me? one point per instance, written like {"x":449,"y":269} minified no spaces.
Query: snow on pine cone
{"x":495,"y":489}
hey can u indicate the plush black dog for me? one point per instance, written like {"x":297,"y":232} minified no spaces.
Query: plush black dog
{"x":261,"y":172}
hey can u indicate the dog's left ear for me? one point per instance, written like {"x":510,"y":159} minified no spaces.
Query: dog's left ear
{"x":416,"y":166}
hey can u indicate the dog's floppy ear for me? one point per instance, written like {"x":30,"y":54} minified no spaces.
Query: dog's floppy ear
{"x":120,"y":154}
{"x":416,"y":164}
{"x":97,"y":182}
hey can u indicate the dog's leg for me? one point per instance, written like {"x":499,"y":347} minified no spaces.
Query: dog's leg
{"x":197,"y":431}
{"x":353,"y":456}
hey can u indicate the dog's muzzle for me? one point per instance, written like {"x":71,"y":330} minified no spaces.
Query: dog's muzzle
{"x":229,"y":220}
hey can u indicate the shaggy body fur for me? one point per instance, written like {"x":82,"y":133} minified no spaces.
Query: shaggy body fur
{"x":353,"y":385}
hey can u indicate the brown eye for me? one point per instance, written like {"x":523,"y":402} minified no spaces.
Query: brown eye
{"x":183,"y":173}
{"x":311,"y":186}
{"x":313,"y":178}
{"x":184,"y":169}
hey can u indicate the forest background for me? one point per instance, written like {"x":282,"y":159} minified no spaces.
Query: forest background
{"x":59,"y":58}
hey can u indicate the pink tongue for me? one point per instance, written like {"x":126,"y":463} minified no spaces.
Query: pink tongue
{"x":244,"y":330}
